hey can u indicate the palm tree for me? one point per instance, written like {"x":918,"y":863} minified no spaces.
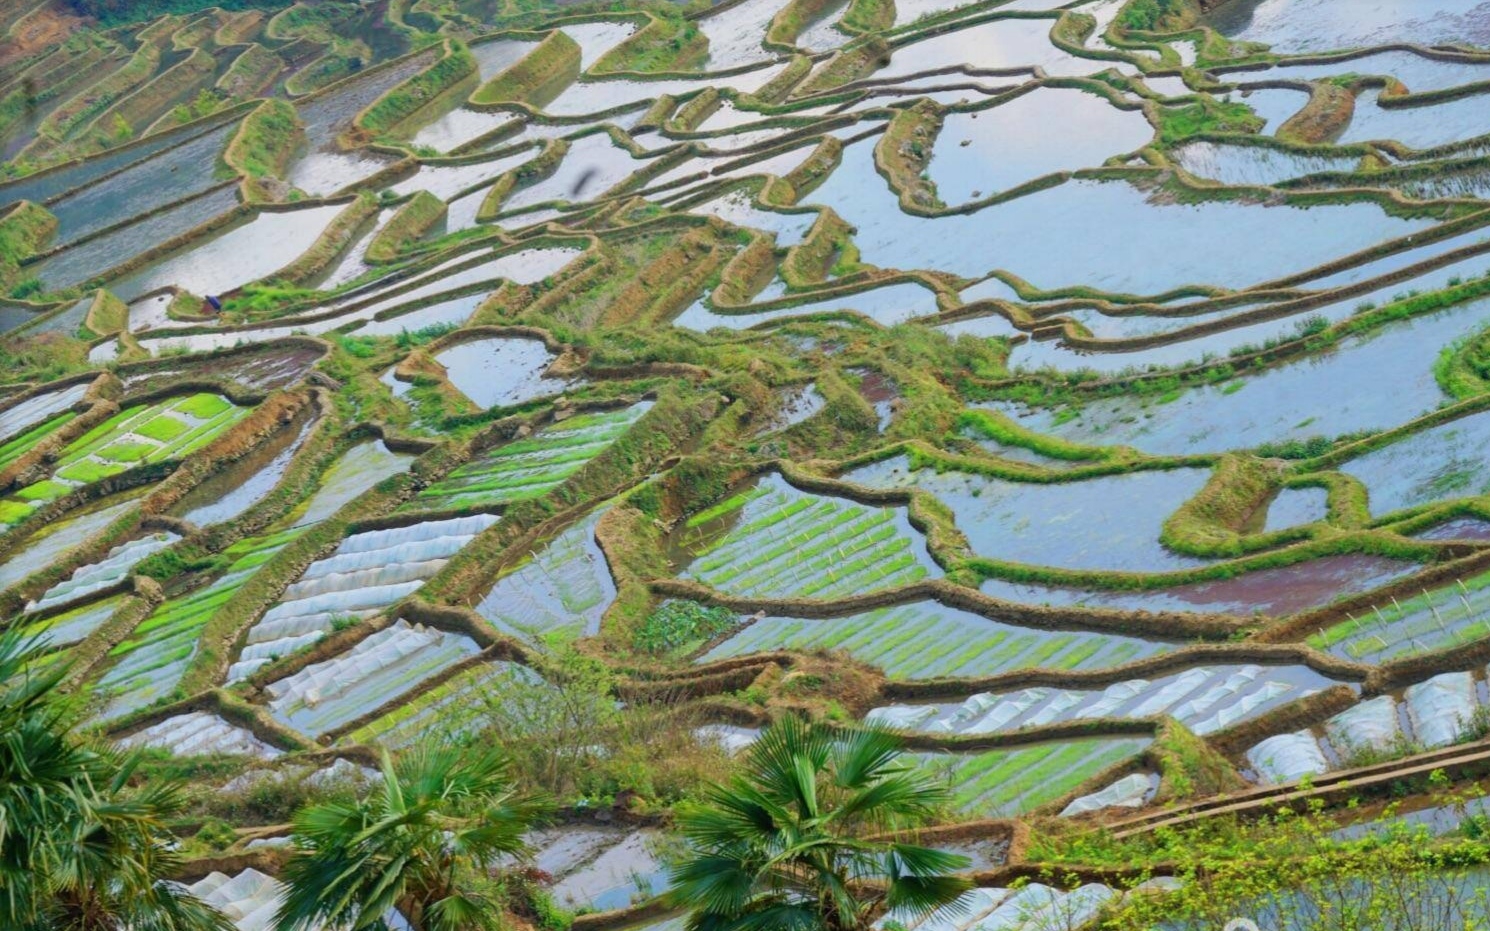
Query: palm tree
{"x":419,"y":844}
{"x":789,"y":845}
{"x":80,"y":849}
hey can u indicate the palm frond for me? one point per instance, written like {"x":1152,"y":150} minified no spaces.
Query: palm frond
{"x":462,"y":913}
{"x":899,"y":799}
{"x":776,"y":847}
{"x":717,"y":884}
{"x":915,"y":860}
{"x":864,"y":755}
{"x":921,"y":895}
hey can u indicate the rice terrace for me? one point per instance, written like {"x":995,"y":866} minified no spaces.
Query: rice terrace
{"x":817,"y":465}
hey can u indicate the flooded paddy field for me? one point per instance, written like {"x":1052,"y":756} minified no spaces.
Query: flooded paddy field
{"x":1093,"y":395}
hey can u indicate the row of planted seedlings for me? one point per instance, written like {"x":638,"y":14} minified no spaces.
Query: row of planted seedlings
{"x":242,"y":564}
{"x":124,"y":439}
{"x":1427,"y":622}
{"x":1231,"y":702}
{"x":771,"y":513}
{"x":1406,"y":631}
{"x":1432,"y":699}
{"x":600,"y":454}
{"x":89,"y":593}
{"x":1256,"y":697}
{"x":399,"y":558}
{"x":418,"y":658}
{"x":774,"y":549}
{"x":1420,"y":638}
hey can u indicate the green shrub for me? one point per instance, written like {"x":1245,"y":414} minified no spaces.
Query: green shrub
{"x":408,"y":339}
{"x":1157,"y":15}
{"x":402,"y":101}
{"x":680,"y":622}
{"x":260,"y":298}
{"x":358,"y":347}
{"x":1208,"y":116}
{"x":265,"y":140}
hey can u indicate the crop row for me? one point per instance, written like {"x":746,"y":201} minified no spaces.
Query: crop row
{"x":21,"y":445}
{"x":422,"y":717}
{"x":529,"y":467}
{"x":199,"y":733}
{"x":133,"y":437}
{"x":365,"y":574}
{"x":386,"y":665}
{"x":928,"y":640}
{"x":108,"y":571}
{"x":1437,"y":620}
{"x":563,"y":589}
{"x":789,"y":543}
{"x":70,"y":627}
{"x":42,"y":407}
{"x":149,"y":664}
{"x":1205,"y":700}
{"x":1006,"y":783}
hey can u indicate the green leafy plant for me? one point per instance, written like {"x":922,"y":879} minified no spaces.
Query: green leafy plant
{"x":83,"y":848}
{"x":420,"y":842}
{"x":680,"y":622}
{"x":808,"y":836}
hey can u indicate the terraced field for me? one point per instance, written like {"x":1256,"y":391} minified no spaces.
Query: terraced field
{"x":928,"y":640}
{"x":528,"y":468}
{"x":563,"y":589}
{"x":365,"y":574}
{"x":134,"y":437}
{"x":1004,"y":783}
{"x":150,"y":663}
{"x":1095,"y":393}
{"x":773,"y":541}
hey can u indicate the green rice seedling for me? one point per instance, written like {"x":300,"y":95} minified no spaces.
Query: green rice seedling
{"x":87,"y":472}
{"x":127,"y":451}
{"x":203,"y":406}
{"x":18,"y":447}
{"x":162,"y":429}
{"x":47,"y":490}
